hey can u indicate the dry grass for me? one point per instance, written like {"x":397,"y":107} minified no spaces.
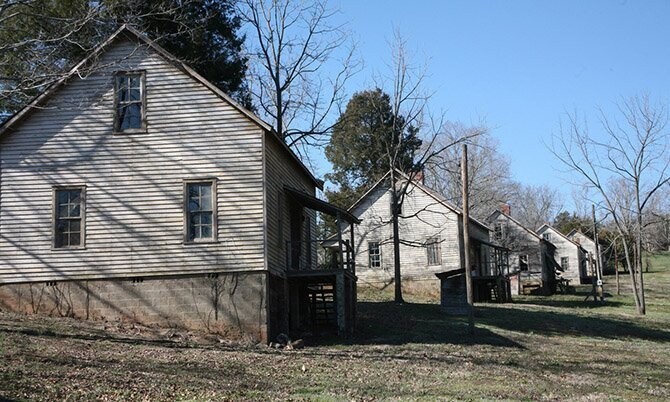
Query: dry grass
{"x":552,"y":348}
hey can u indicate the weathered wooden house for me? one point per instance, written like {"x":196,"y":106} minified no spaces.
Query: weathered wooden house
{"x":531,"y":258}
{"x":589,"y":246}
{"x":430,"y":229}
{"x":134,"y":189}
{"x":569,"y":255}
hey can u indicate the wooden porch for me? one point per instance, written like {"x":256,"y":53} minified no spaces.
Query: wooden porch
{"x":321,"y":273}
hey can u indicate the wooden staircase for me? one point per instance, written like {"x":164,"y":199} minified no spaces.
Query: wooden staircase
{"x":322,"y":297}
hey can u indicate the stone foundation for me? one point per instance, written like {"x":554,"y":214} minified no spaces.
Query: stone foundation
{"x":229,"y":304}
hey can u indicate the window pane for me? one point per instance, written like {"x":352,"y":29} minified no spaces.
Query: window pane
{"x":62,"y":211}
{"x":135,"y":81}
{"x":195,"y":218}
{"x":206,"y":232}
{"x":134,"y":113}
{"x":61,"y":239}
{"x":74,"y":210}
{"x":75,"y":239}
{"x":75,"y":196}
{"x":206,"y":203}
{"x":206,"y":191}
{"x":193,"y":205}
{"x":75,"y":225}
{"x":206,"y":218}
{"x":135,"y":95}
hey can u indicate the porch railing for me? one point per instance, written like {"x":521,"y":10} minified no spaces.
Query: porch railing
{"x":320,"y":255}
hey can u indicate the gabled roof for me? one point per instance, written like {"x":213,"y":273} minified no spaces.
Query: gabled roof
{"x":128,"y":30}
{"x":548,"y":226}
{"x":430,"y":192}
{"x":509,"y":217}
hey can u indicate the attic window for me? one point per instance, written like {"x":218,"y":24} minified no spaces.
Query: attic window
{"x":547,"y":236}
{"x":129,"y":100}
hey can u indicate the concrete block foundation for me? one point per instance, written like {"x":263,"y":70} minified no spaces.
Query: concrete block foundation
{"x":230,"y":304}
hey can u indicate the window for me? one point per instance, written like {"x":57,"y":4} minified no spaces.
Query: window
{"x":374,"y":254}
{"x":565,"y":263}
{"x":547,"y":236}
{"x":200,"y":211}
{"x":433,"y":251}
{"x":129,"y":96}
{"x":523,"y":262}
{"x":498,"y":231}
{"x":69,"y":217}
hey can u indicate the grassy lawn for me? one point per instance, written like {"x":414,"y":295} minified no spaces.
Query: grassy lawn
{"x":555,"y":348}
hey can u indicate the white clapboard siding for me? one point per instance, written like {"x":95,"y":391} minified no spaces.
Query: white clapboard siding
{"x":134,"y":182}
{"x":423,"y":218}
{"x":282,"y":171}
{"x":520,"y":241}
{"x":565,"y":248}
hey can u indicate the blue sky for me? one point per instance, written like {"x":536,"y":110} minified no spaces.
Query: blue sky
{"x":519,"y":65}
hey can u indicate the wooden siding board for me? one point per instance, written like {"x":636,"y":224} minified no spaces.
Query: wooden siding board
{"x":134,"y":181}
{"x":425,"y":218}
{"x":280,"y":173}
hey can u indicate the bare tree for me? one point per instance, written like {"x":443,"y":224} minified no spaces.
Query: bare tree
{"x":490,"y":183}
{"x":290,"y":44}
{"x":410,"y":105}
{"x":535,"y":205}
{"x":624,"y":166}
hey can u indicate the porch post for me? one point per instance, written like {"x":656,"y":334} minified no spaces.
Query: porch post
{"x":353,"y":254}
{"x":340,"y":295}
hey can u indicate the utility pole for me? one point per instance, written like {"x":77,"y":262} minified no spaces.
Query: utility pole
{"x":599,"y":272}
{"x":466,"y":240}
{"x":395,"y":211}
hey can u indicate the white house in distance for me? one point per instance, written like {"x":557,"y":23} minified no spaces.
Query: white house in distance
{"x":531,"y":256}
{"x":589,"y":245}
{"x":430,"y":235}
{"x":569,"y":255}
{"x":137,"y":190}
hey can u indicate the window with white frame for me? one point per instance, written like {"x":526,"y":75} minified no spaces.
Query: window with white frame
{"x":374,"y":254}
{"x":433,"y":251}
{"x":68,"y":217}
{"x":498,"y":231}
{"x":129,"y":101}
{"x":200,"y":211}
{"x":546,"y":236}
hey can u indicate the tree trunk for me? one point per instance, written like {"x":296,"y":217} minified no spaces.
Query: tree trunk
{"x":616,"y":269}
{"x":642,"y":308}
{"x":632,"y":275}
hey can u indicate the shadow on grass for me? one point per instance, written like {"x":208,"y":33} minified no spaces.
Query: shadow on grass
{"x":577,"y":302}
{"x":389,"y":323}
{"x":560,"y":323}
